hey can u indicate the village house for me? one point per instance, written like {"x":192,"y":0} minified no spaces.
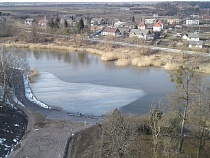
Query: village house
{"x":194,"y":40}
{"x":110,"y":31}
{"x":97,"y":21}
{"x":144,"y":34}
{"x":173,"y":21}
{"x":198,"y":44}
{"x":193,"y":37}
{"x":158,"y":27}
{"x":119,"y":24}
{"x":149,"y":21}
{"x":42,"y":22}
{"x":192,"y":22}
{"x":142,"y":26}
{"x":29,"y":21}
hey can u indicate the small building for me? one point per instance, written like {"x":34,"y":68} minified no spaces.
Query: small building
{"x":173,"y":21}
{"x":29,"y":21}
{"x":119,"y":24}
{"x":158,"y":27}
{"x":197,"y":44}
{"x":42,"y":22}
{"x":144,"y":34}
{"x":97,"y":21}
{"x":192,"y":22}
{"x":193,"y":37}
{"x":141,"y":26}
{"x":149,"y":21}
{"x":110,"y":31}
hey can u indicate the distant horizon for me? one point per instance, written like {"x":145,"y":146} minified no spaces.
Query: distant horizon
{"x":95,"y":1}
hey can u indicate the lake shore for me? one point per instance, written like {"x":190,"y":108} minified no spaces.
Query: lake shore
{"x":55,"y":127}
{"x":47,"y":130}
{"x":122,"y":55}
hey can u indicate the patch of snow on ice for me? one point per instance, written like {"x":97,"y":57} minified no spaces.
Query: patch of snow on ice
{"x":84,"y":98}
{"x":30,"y":95}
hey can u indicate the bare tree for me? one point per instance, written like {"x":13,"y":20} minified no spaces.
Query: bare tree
{"x":10,"y":60}
{"x":184,"y":78}
{"x":156,"y":117}
{"x":117,"y":137}
{"x":201,"y":113}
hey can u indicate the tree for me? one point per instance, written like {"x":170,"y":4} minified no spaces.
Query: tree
{"x":10,"y":60}
{"x":133,"y":19}
{"x":65,"y":23}
{"x":6,"y":29}
{"x":201,"y":114}
{"x":80,"y":26}
{"x":56,"y":23}
{"x":51,"y":23}
{"x":184,"y":78}
{"x":117,"y":137}
{"x":155,"y":119}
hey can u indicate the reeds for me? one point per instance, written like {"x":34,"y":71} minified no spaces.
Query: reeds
{"x":122,"y":62}
{"x":109,"y":56}
{"x":171,"y":66}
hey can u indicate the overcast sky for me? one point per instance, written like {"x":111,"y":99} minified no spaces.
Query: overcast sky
{"x":91,"y":0}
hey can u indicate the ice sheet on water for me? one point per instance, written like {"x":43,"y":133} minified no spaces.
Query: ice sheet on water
{"x":84,"y":98}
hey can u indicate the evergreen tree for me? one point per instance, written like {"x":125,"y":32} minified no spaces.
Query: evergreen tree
{"x":56,"y":23}
{"x":133,"y":19}
{"x":51,"y":23}
{"x":80,"y":26}
{"x":65,"y":23}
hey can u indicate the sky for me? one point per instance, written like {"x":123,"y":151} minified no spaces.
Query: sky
{"x":92,"y":0}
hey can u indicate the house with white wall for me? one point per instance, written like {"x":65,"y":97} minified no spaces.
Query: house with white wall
{"x":192,"y":22}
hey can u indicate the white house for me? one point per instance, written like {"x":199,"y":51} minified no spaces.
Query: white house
{"x":145,"y":34}
{"x":193,"y":37}
{"x":110,"y":31}
{"x":142,"y":26}
{"x":198,"y":44}
{"x":158,"y":27}
{"x":192,"y":22}
{"x":149,"y":21}
{"x":29,"y":21}
{"x":119,"y":24}
{"x":97,"y":21}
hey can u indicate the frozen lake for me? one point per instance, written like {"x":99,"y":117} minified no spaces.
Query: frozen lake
{"x":84,"y":98}
{"x":80,"y":82}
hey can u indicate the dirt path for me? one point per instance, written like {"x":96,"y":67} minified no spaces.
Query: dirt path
{"x":47,"y":131}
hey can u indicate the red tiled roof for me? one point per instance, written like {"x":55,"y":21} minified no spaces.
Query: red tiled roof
{"x":157,"y":25}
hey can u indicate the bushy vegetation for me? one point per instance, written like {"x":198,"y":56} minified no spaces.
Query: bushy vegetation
{"x":176,"y":129}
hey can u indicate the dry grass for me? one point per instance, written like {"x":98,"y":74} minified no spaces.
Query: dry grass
{"x":205,"y":68}
{"x":122,"y":62}
{"x":145,"y":61}
{"x":171,"y":66}
{"x":34,"y":72}
{"x":109,"y":57}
